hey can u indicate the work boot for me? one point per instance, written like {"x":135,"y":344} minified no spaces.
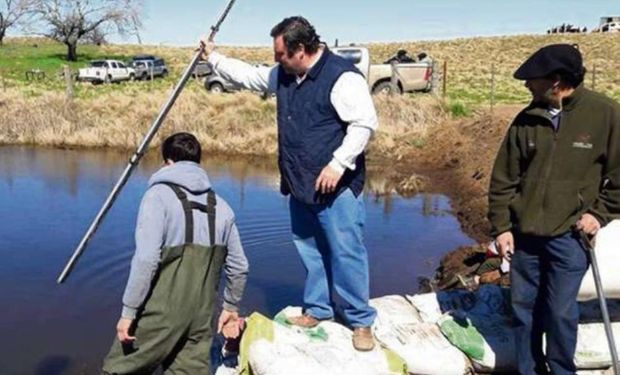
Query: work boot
{"x":304,"y":321}
{"x":362,"y":339}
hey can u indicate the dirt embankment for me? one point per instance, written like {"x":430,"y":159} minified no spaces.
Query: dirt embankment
{"x":458,"y":158}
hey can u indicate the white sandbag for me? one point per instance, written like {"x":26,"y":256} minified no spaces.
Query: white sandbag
{"x":608,"y":256}
{"x":394,"y":309}
{"x":424,"y":348}
{"x":592,"y":348}
{"x":590,"y":311}
{"x":422,"y":345}
{"x":223,"y":370}
{"x":608,"y":371}
{"x":488,"y":340}
{"x":275,"y":348}
{"x":488,"y":300}
{"x":279,"y":358}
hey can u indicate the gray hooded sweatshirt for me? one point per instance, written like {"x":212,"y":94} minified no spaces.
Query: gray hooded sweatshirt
{"x":161,"y":223}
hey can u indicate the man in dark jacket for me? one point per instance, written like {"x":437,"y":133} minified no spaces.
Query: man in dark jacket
{"x":325,"y":119}
{"x":556,"y":173}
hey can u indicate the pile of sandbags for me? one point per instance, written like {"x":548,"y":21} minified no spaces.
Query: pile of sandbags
{"x":449,"y":332}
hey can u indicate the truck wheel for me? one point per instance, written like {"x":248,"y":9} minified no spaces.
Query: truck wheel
{"x":107,"y":79}
{"x":216,"y":88}
{"x":385,"y":87}
{"x":132,"y":77}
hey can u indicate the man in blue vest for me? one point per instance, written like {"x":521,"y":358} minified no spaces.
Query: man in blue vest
{"x":325,"y":119}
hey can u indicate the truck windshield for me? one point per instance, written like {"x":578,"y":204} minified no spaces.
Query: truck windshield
{"x":353,"y":55}
{"x":98,"y":64}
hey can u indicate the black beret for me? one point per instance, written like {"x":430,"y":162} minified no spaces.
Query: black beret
{"x":551,"y":59}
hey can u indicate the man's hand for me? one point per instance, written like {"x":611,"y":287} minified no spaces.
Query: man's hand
{"x":207,"y":47}
{"x":122,"y":330}
{"x":228,"y":324}
{"x":505,"y":243}
{"x":588,"y":224}
{"x":327,"y":180}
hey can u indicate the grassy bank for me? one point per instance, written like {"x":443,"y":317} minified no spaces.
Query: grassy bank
{"x":231,"y":124}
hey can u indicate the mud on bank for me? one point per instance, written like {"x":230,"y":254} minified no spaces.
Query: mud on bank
{"x":457,"y":161}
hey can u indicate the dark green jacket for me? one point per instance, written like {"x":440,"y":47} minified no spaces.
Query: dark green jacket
{"x":543,"y":180}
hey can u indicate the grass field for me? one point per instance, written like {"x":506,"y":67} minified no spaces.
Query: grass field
{"x":471,"y":64}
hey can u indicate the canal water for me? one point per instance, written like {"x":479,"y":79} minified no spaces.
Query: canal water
{"x":48,"y":197}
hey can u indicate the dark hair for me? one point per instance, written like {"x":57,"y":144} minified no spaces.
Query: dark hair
{"x":180,"y":147}
{"x":295,"y":31}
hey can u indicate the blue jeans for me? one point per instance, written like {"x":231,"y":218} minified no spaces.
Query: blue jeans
{"x":329,"y":239}
{"x":545,"y":277}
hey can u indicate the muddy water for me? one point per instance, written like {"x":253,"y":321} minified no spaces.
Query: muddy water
{"x":48,"y":198}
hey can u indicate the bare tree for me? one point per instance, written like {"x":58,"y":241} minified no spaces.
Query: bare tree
{"x":12,"y":12}
{"x":96,"y":37}
{"x":71,"y":21}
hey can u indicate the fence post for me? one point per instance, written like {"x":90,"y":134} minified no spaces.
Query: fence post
{"x":393,"y":79}
{"x":435,"y":79}
{"x":68,"y":81}
{"x":445,"y":79}
{"x":492,"y":86}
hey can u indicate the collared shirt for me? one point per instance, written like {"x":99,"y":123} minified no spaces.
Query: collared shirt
{"x":350,"y":97}
{"x":556,"y":114}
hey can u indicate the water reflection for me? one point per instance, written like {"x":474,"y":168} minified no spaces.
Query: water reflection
{"x":63,"y":170}
{"x":48,"y":198}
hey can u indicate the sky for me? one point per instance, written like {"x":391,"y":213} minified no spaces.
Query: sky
{"x":181,"y":23}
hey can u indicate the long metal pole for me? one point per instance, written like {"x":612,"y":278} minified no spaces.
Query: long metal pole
{"x":603,"y":303}
{"x":135,"y":159}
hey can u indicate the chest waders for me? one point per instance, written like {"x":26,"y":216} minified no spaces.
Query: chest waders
{"x":174,"y":327}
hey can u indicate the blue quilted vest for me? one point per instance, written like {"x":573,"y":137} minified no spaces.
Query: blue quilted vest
{"x":309,"y":131}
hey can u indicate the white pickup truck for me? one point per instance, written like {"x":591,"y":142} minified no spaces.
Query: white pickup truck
{"x":413,"y":76}
{"x":106,"y":71}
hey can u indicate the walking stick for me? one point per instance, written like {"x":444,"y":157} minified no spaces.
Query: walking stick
{"x":601,"y":299}
{"x":135,"y":159}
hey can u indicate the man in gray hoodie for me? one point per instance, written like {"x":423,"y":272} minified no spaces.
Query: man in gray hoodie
{"x":185,"y":236}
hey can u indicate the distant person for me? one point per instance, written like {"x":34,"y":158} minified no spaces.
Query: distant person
{"x":326,"y":117}
{"x":401,"y":57}
{"x":185,"y":236}
{"x":424,"y":57}
{"x":556,"y":173}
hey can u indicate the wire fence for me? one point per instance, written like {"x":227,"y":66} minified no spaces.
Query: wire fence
{"x":494,"y":85}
